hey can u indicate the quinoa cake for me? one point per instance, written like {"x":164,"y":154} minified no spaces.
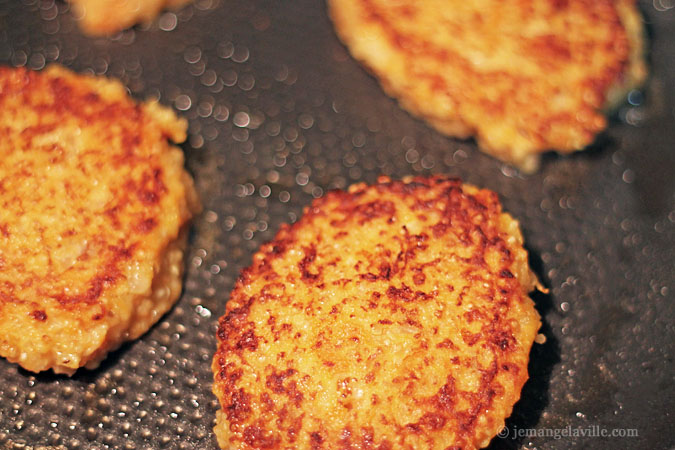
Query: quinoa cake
{"x":391,"y":316}
{"x":109,"y":16}
{"x":94,"y":209}
{"x":521,"y":76}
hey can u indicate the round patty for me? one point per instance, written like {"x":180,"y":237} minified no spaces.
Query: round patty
{"x":522,"y":76}
{"x":94,"y":203}
{"x":391,"y":316}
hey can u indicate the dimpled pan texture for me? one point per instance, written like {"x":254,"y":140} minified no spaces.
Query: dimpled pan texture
{"x":521,"y":76}
{"x":279,"y":113}
{"x":94,"y":202}
{"x":392,"y":316}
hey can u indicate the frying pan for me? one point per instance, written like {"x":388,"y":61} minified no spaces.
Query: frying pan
{"x":279,"y":113}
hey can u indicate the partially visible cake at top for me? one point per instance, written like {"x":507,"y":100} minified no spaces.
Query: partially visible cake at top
{"x":109,"y":16}
{"x":521,"y":76}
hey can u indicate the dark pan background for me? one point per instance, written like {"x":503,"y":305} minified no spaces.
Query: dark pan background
{"x":279,"y":113}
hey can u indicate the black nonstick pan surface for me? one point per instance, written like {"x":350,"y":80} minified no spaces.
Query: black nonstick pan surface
{"x":279,"y":114}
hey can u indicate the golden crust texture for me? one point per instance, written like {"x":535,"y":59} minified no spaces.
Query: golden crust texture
{"x":522,"y":76}
{"x":109,"y":16}
{"x":94,"y":203}
{"x":391,"y":316}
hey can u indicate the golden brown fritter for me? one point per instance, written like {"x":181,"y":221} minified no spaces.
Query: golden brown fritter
{"x":522,"y":76}
{"x":94,"y":203}
{"x":392,"y":316}
{"x":109,"y":16}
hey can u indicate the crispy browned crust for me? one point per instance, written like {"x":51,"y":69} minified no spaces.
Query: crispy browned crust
{"x":522,"y":76}
{"x":99,"y":17}
{"x":93,"y":205}
{"x":392,"y":316}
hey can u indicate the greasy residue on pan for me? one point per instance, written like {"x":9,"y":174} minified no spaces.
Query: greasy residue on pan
{"x":279,"y":113}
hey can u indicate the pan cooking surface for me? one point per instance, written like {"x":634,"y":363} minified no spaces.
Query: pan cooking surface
{"x":279,"y":113}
